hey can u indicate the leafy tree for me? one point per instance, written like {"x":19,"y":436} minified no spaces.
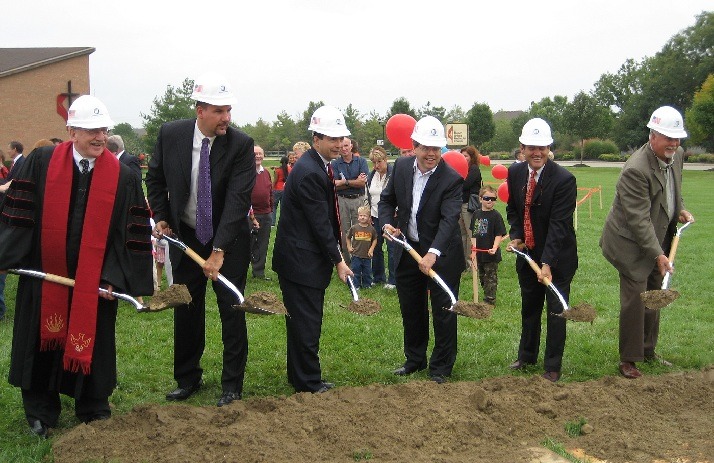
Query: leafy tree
{"x":481,"y":126}
{"x":372,"y":130}
{"x":504,"y":139}
{"x":551,"y":110}
{"x":284,"y":133}
{"x":176,"y":103}
{"x":261,"y":133}
{"x":455,"y":114}
{"x":438,"y":112}
{"x":615,"y":90}
{"x":585,"y":118}
{"x":401,"y":106}
{"x":132,"y":142}
{"x":700,"y":117}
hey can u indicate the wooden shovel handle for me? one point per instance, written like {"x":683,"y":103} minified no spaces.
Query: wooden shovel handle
{"x":673,"y":248}
{"x":196,"y":258}
{"x":534,"y":266}
{"x":59,"y":279}
{"x":474,"y":277}
{"x":418,"y":258}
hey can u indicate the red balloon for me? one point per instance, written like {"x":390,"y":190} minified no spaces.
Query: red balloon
{"x":457,"y":161}
{"x":485,"y":160}
{"x":503,"y":192}
{"x":399,"y":130}
{"x":499,"y":172}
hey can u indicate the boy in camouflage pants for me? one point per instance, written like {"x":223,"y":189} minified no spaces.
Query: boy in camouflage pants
{"x":487,"y":231}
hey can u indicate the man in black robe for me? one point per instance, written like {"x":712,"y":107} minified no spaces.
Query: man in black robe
{"x":76,"y":211}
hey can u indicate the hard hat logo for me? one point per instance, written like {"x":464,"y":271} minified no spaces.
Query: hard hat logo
{"x":536,"y":131}
{"x":97,"y":112}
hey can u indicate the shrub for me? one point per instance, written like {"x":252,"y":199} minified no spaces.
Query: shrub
{"x":609,"y":157}
{"x":565,"y":156}
{"x":707,"y":158}
{"x":594,"y":148}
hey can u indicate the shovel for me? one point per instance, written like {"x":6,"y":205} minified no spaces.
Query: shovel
{"x":467,"y":309}
{"x":580,"y":313}
{"x":250,"y":308}
{"x":658,"y":298}
{"x":179,"y":293}
{"x":362,"y":306}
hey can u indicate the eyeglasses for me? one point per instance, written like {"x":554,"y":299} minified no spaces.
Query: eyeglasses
{"x":488,"y":198}
{"x":95,"y":132}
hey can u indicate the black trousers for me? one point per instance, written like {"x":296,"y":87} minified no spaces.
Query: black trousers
{"x":533,"y":295}
{"x":46,"y":407}
{"x":259,"y":241}
{"x":413,"y":288}
{"x":304,"y":326}
{"x":190,"y":319}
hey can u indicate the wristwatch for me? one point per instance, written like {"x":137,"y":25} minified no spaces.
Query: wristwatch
{"x":215,"y":249}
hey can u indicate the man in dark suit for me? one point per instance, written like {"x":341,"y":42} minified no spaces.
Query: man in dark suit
{"x":541,"y":203}
{"x":425,"y":192}
{"x":199,"y":183}
{"x":115,"y":144}
{"x":638,"y":233}
{"x":307,"y":248}
{"x":15,"y":150}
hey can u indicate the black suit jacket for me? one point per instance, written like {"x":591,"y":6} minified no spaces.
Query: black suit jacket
{"x":551,"y":214}
{"x":306,"y":244}
{"x":131,"y":161}
{"x":438,"y":214}
{"x":14,"y":169}
{"x":168,"y":179}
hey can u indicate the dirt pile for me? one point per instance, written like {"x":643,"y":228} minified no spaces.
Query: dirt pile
{"x":652,"y":419}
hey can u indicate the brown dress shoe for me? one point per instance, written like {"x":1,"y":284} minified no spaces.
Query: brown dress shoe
{"x":552,"y":376}
{"x":629,"y":370}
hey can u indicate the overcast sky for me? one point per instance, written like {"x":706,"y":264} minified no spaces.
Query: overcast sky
{"x":281,"y":54}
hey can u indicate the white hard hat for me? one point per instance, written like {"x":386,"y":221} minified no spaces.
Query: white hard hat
{"x":329,"y":121}
{"x":213,"y":88}
{"x":87,"y":112}
{"x":429,"y":131}
{"x":667,"y":121}
{"x":536,"y":132}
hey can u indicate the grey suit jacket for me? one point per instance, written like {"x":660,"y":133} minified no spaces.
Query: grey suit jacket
{"x":168,"y":180}
{"x":637,"y":225}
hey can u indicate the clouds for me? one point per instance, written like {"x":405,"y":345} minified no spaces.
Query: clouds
{"x":282,"y":54}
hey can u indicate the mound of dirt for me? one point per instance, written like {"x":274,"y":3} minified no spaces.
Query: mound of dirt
{"x":659,"y":419}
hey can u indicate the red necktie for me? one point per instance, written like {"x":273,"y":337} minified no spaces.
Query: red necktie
{"x":337,"y":205}
{"x":527,"y":226}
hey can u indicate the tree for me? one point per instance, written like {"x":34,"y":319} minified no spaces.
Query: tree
{"x":504,"y":138}
{"x":455,"y":114}
{"x":700,"y":117}
{"x":284,"y":133}
{"x":585,"y":118}
{"x":401,"y":106}
{"x":481,"y":126}
{"x":428,"y":110}
{"x":176,"y":103}
{"x":261,"y":133}
{"x":551,"y":110}
{"x":132,"y":142}
{"x":304,"y":123}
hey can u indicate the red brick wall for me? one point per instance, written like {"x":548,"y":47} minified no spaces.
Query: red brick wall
{"x":28,"y":101}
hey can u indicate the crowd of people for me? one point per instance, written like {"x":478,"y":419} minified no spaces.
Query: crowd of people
{"x":77,"y":209}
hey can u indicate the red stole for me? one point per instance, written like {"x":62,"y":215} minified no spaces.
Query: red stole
{"x":78,"y":338}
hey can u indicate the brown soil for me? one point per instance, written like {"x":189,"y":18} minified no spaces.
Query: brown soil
{"x":473,"y":309}
{"x":365,"y":307}
{"x":580,"y":313}
{"x":659,"y":298}
{"x":173,"y":296}
{"x":665,"y":418}
{"x":264,"y":303}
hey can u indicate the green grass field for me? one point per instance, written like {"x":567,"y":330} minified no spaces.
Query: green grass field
{"x":358,"y":350}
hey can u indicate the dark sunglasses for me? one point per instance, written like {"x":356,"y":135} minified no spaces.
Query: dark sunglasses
{"x":488,"y":198}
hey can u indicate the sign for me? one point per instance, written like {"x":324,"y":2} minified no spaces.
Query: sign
{"x":457,"y":134}
{"x":380,"y":142}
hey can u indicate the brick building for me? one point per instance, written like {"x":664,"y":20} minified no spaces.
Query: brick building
{"x":34,"y":91}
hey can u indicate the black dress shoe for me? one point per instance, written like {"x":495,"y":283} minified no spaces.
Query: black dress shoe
{"x":39,"y":429}
{"x":438,"y":379}
{"x":182,"y":393}
{"x":325,"y":387}
{"x":404,"y":370}
{"x":228,"y":397}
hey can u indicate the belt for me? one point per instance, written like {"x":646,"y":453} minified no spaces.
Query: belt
{"x":350,"y":196}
